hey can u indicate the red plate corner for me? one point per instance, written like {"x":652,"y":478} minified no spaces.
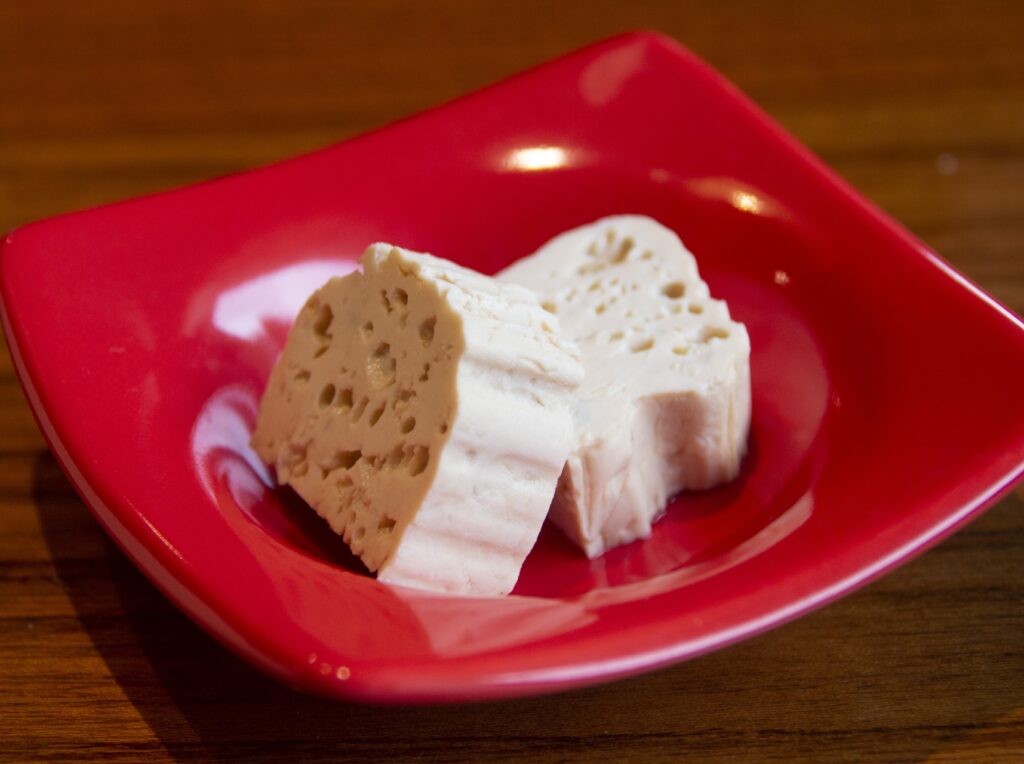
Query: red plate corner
{"x":887,"y":389}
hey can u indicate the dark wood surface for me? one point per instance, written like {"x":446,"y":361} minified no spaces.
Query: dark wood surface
{"x":920,"y":105}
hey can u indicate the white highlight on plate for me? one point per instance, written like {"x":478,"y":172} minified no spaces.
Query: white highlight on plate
{"x":223,"y":427}
{"x":537,"y":158}
{"x":746,"y":201}
{"x":518,"y":620}
{"x":242,"y":310}
{"x":739,"y":195}
{"x":606,"y":77}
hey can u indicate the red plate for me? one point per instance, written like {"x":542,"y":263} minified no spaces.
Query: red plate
{"x":888,"y":404}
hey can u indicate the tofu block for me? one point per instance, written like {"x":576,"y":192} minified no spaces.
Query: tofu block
{"x":665,"y":403}
{"x":423,"y":410}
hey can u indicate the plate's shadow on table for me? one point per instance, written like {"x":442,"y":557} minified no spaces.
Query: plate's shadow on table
{"x":900,"y":665}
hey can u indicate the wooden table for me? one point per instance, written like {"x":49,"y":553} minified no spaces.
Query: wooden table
{"x":920,"y":105}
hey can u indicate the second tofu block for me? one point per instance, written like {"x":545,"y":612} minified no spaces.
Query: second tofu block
{"x":665,"y":404}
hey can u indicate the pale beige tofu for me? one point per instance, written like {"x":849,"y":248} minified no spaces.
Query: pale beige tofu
{"x":423,"y":410}
{"x":665,"y":402}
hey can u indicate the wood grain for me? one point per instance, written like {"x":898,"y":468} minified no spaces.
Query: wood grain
{"x":918,"y":104}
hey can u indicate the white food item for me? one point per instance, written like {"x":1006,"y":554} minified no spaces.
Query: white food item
{"x":423,"y":410}
{"x":665,"y":403}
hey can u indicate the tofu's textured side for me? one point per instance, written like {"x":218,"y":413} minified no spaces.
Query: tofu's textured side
{"x":423,"y":410}
{"x":665,"y":404}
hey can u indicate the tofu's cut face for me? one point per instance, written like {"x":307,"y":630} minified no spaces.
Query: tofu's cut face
{"x":357,"y":412}
{"x":627,"y":291}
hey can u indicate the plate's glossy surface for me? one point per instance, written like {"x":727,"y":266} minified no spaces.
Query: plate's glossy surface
{"x":887,"y":405}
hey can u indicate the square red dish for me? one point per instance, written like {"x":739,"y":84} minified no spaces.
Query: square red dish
{"x":886,"y":388}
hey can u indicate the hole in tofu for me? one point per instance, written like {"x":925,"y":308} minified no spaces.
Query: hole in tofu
{"x":443,"y":428}
{"x":326,"y":396}
{"x":549,"y":306}
{"x":696,"y":309}
{"x":386,"y":524}
{"x":322,"y":322}
{"x":617,"y":335}
{"x":713,"y":333}
{"x":360,"y":533}
{"x":396,"y":456}
{"x":674,"y":290}
{"x":347,"y":459}
{"x":427,"y":330}
{"x":302,"y":375}
{"x":380,"y":366}
{"x":600,"y":309}
{"x":680,"y":350}
{"x":426,"y":373}
{"x":408,"y":425}
{"x":594,"y":285}
{"x":625,"y":247}
{"x":357,"y":412}
{"x":344,"y":399}
{"x":642,"y":345}
{"x":377,"y":414}
{"x":384,"y":301}
{"x":339,"y":460}
{"x":400,"y":296}
{"x":367,"y":330}
{"x":419,"y":461}
{"x":647,"y":255}
{"x":402,"y":399}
